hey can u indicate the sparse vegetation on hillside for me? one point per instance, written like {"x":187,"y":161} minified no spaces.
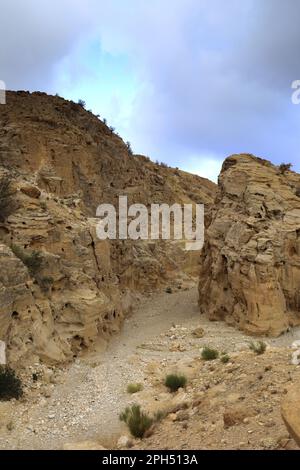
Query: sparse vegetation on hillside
{"x":7,"y":202}
{"x":209,"y":354}
{"x":10,"y":384}
{"x":224,"y":358}
{"x":259,"y":347}
{"x":134,"y":388}
{"x":82,"y":103}
{"x":137,"y":421}
{"x":129,"y":148}
{"x":173,"y":382}
{"x":31,"y":259}
{"x":284,"y":167}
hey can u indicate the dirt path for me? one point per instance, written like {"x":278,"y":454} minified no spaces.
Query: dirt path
{"x":91,"y":393}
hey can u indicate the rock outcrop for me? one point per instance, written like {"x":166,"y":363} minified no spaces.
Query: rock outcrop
{"x":250,"y":265}
{"x":60,"y":286}
{"x":290,"y":410}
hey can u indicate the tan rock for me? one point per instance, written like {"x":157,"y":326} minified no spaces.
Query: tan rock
{"x":31,"y":191}
{"x":198,"y":332}
{"x":236,"y":415}
{"x":250,"y":265}
{"x":290,"y":410}
{"x":84,"y":286}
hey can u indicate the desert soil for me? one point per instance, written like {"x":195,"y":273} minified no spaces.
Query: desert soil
{"x":235,"y":405}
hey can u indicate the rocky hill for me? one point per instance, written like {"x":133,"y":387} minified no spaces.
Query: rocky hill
{"x":60,"y":286}
{"x":250,"y":266}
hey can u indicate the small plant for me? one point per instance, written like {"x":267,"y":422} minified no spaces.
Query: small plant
{"x":284,"y":167}
{"x":137,"y":421}
{"x":10,"y":384}
{"x":134,"y":388}
{"x":32,"y":259}
{"x":82,"y":103}
{"x":209,"y":354}
{"x":224,"y":358}
{"x":112,"y":129}
{"x":259,"y":347}
{"x":173,"y":382}
{"x":45,"y":283}
{"x":159,"y":415}
{"x":129,"y":148}
{"x":43,"y":205}
{"x":7,"y":203}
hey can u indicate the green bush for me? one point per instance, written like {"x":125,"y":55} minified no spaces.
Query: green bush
{"x":209,"y":354}
{"x":159,"y":416}
{"x":224,"y":358}
{"x":259,"y":347}
{"x":129,"y":148}
{"x":173,"y":382}
{"x":10,"y":384}
{"x":137,"y":421}
{"x":82,"y":103}
{"x":31,"y":259}
{"x":284,"y":167}
{"x":134,"y":388}
{"x":45,"y":283}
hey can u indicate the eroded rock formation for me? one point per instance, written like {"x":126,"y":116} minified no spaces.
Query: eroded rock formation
{"x":60,"y":286}
{"x":250,"y":266}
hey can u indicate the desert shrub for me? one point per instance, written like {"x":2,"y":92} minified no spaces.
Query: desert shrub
{"x":112,"y":129}
{"x":137,"y":421}
{"x":7,"y":202}
{"x":284,"y":167}
{"x":224,"y":358}
{"x":45,"y":283}
{"x":258,"y":347}
{"x":134,"y":388}
{"x":174,"y":381}
{"x":129,"y":148}
{"x":159,"y":415}
{"x":209,"y":354}
{"x":10,"y":384}
{"x":31,"y":259}
{"x":82,"y":103}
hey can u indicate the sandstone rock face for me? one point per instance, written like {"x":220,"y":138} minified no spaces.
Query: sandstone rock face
{"x":60,"y":286}
{"x":250,"y":265}
{"x":290,"y":410}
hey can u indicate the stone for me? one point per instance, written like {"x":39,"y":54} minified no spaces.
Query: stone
{"x":84,"y":286}
{"x":250,"y":264}
{"x":198,"y":332}
{"x":236,"y":415}
{"x":124,"y":442}
{"x":295,"y":360}
{"x":31,"y":191}
{"x":290,"y":410}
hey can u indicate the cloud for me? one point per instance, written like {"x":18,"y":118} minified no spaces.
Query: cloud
{"x":208,"y":78}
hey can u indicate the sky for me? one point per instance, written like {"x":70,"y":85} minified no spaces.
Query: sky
{"x":187,"y":82}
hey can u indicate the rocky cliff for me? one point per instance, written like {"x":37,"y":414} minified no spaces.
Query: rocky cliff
{"x":60,"y":286}
{"x":250,"y":266}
